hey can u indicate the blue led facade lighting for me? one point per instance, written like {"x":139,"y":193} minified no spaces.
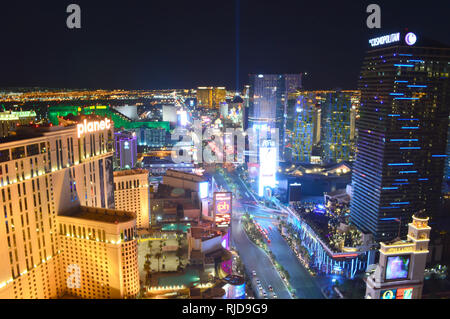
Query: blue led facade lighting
{"x":404,"y":140}
{"x":417,"y":99}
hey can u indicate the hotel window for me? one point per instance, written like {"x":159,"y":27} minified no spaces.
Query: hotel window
{"x":32,"y":149}
{"x":4,"y":156}
{"x":18,"y":152}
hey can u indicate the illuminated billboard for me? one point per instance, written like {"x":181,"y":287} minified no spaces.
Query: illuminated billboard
{"x":226,"y":241}
{"x":203,"y":190}
{"x":183,"y":117}
{"x":222,"y":208}
{"x":268,"y":165}
{"x":399,"y":293}
{"x":234,"y":287}
{"x":397,"y":267}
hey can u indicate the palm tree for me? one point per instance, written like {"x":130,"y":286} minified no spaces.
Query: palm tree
{"x":158,"y":256}
{"x":147,"y":269}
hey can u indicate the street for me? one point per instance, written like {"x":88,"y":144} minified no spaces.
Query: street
{"x":254,"y":258}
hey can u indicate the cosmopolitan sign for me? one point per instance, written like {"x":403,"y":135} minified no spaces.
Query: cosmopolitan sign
{"x":386,"y":39}
{"x":93,"y":126}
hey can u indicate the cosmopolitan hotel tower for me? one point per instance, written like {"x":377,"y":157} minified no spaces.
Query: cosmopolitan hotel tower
{"x":402,"y":133}
{"x":51,"y":242}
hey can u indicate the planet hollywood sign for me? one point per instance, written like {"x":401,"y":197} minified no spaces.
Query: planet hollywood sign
{"x":93,"y":126}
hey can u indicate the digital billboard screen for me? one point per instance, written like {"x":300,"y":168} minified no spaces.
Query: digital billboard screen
{"x":399,"y":293}
{"x":404,"y":293}
{"x":203,"y":190}
{"x":222,"y":208}
{"x":397,"y":267}
{"x":388,"y":294}
{"x":268,"y":165}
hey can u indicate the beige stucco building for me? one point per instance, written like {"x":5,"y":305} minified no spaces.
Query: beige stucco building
{"x":131,"y":193}
{"x":45,"y":172}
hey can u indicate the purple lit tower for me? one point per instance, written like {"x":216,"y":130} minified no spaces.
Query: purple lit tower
{"x":126,"y":149}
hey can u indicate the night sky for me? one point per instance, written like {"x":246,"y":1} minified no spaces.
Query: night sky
{"x":184,"y":44}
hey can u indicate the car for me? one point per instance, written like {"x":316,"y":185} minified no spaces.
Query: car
{"x":275,"y":296}
{"x":254,"y":273}
{"x":258,"y":281}
{"x":264,"y":293}
{"x":270,"y":288}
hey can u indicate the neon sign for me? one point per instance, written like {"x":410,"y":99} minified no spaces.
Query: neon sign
{"x":388,"y":294}
{"x":410,"y":38}
{"x":94,"y":126}
{"x":399,"y":293}
{"x":386,"y":39}
{"x":222,"y":208}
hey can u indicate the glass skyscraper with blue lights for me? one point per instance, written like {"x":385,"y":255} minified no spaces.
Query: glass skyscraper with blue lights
{"x":268,"y":103}
{"x":402,"y":134}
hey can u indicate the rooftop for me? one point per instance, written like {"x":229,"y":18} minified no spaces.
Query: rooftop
{"x":25,"y":132}
{"x":128,"y":172}
{"x":204,"y":234}
{"x":169,"y":192}
{"x":185,"y":175}
{"x":104,"y":215}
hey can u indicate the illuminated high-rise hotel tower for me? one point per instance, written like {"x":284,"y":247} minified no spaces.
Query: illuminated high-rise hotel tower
{"x":402,"y":132}
{"x":268,"y":103}
{"x":51,"y":243}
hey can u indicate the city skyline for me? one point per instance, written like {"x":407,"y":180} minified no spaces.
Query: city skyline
{"x":239,"y":150}
{"x":140,"y":46}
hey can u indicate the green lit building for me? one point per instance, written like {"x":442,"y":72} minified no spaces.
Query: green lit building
{"x":9,"y":120}
{"x":338,"y":125}
{"x":120,"y":120}
{"x":306,"y":130}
